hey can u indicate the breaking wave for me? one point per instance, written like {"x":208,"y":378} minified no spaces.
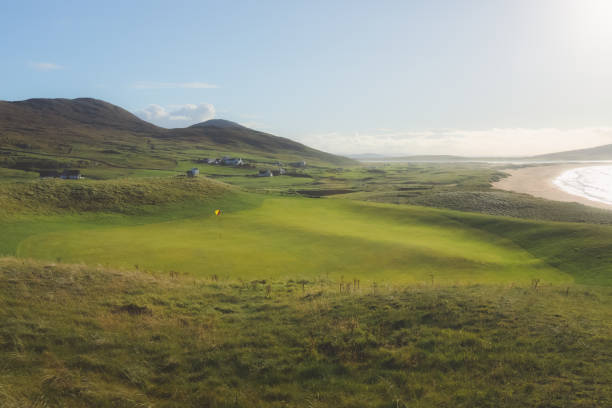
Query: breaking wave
{"x":593,"y":183}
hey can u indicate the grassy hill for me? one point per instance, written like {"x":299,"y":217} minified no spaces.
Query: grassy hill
{"x":223,"y":134}
{"x":129,"y":196}
{"x":92,"y":134}
{"x":41,"y":113}
{"x":78,"y":336}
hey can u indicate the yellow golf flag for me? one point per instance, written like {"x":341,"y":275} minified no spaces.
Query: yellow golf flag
{"x":217,"y":212}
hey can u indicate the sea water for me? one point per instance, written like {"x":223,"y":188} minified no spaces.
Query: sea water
{"x":594,"y":183}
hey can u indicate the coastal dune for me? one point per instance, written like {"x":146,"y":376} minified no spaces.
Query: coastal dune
{"x":539,"y":181}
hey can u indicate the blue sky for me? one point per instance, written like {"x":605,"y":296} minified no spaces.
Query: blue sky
{"x":408,"y":77}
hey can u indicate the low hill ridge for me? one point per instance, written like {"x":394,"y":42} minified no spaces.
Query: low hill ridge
{"x":92,"y":129}
{"x":593,"y":153}
{"x":58,"y":113}
{"x":218,"y":123}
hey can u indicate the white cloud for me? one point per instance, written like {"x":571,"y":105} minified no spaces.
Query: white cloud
{"x":44,"y":66}
{"x":492,"y":142}
{"x":177,"y":115}
{"x":173,"y":85}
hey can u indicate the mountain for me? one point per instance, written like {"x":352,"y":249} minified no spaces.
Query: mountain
{"x":102,"y":134}
{"x":594,"y":153}
{"x":230,"y":136}
{"x":57,"y":125}
{"x":431,"y":159}
{"x":435,"y":158}
{"x":218,"y":123}
{"x":68,"y":112}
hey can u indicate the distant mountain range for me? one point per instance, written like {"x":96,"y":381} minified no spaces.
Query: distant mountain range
{"x":594,"y":153}
{"x":93,"y":129}
{"x":416,"y":158}
{"x":599,"y":153}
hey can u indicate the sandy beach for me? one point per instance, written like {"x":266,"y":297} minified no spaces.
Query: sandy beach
{"x":538,"y":181}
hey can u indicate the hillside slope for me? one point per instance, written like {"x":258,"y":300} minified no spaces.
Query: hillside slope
{"x":59,"y":113}
{"x":226,"y":135}
{"x":594,"y":153}
{"x":98,"y":133}
{"x":54,"y":124}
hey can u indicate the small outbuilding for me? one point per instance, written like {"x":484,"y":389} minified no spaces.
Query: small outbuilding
{"x":193,"y":172}
{"x":232,"y":161}
{"x":265,"y":173}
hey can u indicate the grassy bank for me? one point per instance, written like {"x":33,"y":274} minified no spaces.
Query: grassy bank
{"x":75,"y":336}
{"x":127,"y":196}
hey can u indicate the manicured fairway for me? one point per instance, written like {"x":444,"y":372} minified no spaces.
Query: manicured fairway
{"x":305,"y":238}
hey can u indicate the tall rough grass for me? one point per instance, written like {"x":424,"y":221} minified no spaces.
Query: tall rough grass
{"x":75,"y":335}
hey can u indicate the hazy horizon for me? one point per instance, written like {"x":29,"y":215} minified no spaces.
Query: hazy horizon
{"x":473,"y":78}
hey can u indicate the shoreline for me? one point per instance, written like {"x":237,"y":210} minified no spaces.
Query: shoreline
{"x":538,"y":182}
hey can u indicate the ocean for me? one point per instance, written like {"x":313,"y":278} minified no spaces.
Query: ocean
{"x":594,"y":183}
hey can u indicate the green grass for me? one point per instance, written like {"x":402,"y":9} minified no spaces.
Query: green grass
{"x":456,"y":186}
{"x":288,"y":237}
{"x":142,"y":297}
{"x":77,"y":336}
{"x":9,"y":175}
{"x":44,"y":206}
{"x":167,"y":224}
{"x":462,"y":187}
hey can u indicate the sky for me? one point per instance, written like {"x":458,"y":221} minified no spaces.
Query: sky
{"x":470,"y":77}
